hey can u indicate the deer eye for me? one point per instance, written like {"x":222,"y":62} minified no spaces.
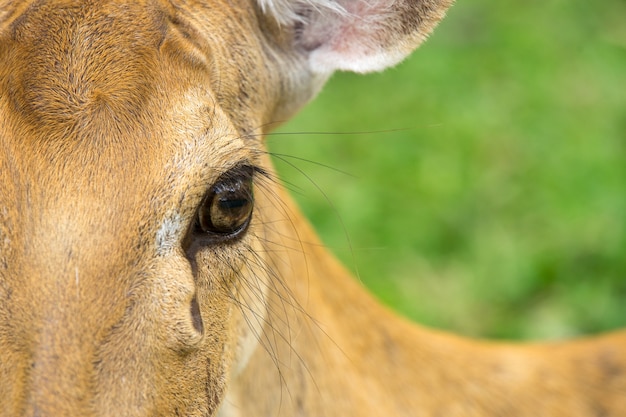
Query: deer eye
{"x":226,"y":210}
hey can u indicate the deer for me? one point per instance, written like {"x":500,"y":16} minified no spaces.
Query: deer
{"x":152,"y":263}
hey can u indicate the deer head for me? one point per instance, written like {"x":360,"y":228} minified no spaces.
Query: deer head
{"x":139,"y":216}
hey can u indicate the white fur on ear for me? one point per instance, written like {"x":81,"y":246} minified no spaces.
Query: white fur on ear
{"x":288,"y":12}
{"x":356,"y":35}
{"x":326,"y":61}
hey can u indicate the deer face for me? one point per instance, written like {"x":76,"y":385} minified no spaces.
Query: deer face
{"x":128,"y":164}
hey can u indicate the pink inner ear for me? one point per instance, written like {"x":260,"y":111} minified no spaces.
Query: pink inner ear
{"x":368,"y":37}
{"x":346,"y":41}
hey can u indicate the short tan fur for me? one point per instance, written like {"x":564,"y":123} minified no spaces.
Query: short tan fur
{"x":138,"y":275}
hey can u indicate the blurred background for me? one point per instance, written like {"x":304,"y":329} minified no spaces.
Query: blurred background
{"x":480,"y":186}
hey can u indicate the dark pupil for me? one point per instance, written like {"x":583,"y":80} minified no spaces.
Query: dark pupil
{"x":233,"y":204}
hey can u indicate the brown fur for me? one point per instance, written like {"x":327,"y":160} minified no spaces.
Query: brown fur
{"x":115,"y":119}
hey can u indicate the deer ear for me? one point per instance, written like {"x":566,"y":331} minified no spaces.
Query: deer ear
{"x":356,"y":35}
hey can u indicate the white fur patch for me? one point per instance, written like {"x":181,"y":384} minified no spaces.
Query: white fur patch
{"x":168,"y":235}
{"x":326,"y":60}
{"x":286,"y":12}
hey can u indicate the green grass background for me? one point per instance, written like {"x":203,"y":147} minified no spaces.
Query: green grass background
{"x":499,"y":209}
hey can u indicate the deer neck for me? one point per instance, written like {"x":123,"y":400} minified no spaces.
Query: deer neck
{"x":320,"y":318}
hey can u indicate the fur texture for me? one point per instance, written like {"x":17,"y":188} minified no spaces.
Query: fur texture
{"x":122,"y":122}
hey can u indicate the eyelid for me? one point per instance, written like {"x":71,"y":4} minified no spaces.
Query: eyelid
{"x":240,"y":171}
